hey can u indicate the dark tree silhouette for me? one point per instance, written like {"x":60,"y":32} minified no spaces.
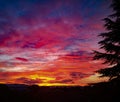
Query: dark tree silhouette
{"x":110,"y":44}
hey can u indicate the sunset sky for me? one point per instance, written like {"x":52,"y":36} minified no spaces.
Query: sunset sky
{"x":50,"y":42}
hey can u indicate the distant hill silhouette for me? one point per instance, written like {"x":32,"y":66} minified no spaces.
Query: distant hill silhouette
{"x":99,"y":92}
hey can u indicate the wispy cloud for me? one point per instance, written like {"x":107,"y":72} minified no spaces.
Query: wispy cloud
{"x":53,"y":39}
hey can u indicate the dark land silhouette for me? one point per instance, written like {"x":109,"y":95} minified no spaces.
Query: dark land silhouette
{"x":99,"y":92}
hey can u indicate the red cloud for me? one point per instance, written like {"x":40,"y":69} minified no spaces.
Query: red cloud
{"x":21,"y":59}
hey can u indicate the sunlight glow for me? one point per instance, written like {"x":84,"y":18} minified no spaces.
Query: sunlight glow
{"x":43,"y":78}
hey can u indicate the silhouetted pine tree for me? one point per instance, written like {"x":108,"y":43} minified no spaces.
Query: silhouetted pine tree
{"x":110,"y":44}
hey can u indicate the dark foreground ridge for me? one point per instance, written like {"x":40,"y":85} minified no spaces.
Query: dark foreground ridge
{"x":101,"y":92}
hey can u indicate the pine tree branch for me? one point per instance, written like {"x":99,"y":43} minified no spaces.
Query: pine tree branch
{"x":109,"y":23}
{"x":110,"y":44}
{"x":110,"y":72}
{"x":112,"y":38}
{"x":110,"y":47}
{"x":108,"y":58}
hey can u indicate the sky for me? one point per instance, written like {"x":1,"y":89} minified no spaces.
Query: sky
{"x":50,"y":42}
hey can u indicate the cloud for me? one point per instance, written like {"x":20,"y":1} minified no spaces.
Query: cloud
{"x":44,"y":37}
{"x":79,"y":75}
{"x":28,"y":81}
{"x":64,"y":81}
{"x":78,"y":55}
{"x":21,"y":59}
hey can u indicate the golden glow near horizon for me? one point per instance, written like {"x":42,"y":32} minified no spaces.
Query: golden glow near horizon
{"x":55,"y":84}
{"x":45,"y":79}
{"x":93,"y":79}
{"x":52,"y":81}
